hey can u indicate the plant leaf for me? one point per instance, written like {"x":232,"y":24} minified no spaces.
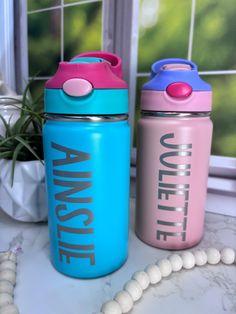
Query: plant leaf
{"x":18,"y":125}
{"x":21,"y":140}
{"x":6,"y":125}
{"x":6,"y":140}
{"x":14,"y":158}
{"x":24,"y":98}
{"x":6,"y":155}
{"x":16,"y":101}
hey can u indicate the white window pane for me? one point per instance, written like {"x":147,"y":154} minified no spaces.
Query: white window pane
{"x":44,"y":32}
{"x":82,"y":29}
{"x":41,"y":4}
{"x":223,"y":114}
{"x":163,"y":31}
{"x":214,"y":39}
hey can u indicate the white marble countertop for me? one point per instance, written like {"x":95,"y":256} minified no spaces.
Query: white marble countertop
{"x":42,"y":290}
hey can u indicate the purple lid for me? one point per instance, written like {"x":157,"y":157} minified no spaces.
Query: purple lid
{"x":175,"y":85}
{"x":167,"y":71}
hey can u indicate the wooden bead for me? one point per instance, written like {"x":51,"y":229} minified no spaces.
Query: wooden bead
{"x":188,"y":260}
{"x":8,"y":275}
{"x":125,"y":301}
{"x":8,"y":265}
{"x":134,"y":289}
{"x":6,"y":286}
{"x":165,"y":267}
{"x":176,"y":262}
{"x":142,"y":278}
{"x":154,"y":273}
{"x":3,"y":256}
{"x":11,"y":309}
{"x":213,"y":256}
{"x":5,"y":298}
{"x":227,"y":256}
{"x":8,"y":256}
{"x":111,"y":307}
{"x":200,"y":257}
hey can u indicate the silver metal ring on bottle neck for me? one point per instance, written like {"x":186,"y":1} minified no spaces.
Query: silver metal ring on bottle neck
{"x":175,"y":114}
{"x":86,"y":118}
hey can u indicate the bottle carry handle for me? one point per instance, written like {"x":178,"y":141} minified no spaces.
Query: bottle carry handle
{"x":114,"y":60}
{"x":159,"y":65}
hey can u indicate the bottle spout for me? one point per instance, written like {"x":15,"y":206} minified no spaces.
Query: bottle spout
{"x":177,"y":67}
{"x":173,"y":64}
{"x":114,"y":60}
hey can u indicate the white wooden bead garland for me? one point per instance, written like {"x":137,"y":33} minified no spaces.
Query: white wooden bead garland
{"x":8,"y":265}
{"x":10,"y":309}
{"x":213,"y":256}
{"x":134,"y":289}
{"x":7,"y":282}
{"x":154,"y":274}
{"x":227,"y":256}
{"x":142,"y":278}
{"x":188,"y":260}
{"x":111,"y":307}
{"x":124,"y":300}
{"x":176,"y":262}
{"x":200,"y":257}
{"x":165,"y":267}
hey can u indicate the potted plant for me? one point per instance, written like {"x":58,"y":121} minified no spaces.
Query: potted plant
{"x":22,"y":176}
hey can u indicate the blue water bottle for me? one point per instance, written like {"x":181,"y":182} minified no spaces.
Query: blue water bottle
{"x":87,"y":157}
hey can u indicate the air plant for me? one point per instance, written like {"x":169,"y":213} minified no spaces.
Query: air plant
{"x":22,"y":140}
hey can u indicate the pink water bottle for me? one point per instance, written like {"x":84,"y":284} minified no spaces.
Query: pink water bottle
{"x":173,"y":149}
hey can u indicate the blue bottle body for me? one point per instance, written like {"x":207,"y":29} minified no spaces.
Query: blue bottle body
{"x":87,"y":173}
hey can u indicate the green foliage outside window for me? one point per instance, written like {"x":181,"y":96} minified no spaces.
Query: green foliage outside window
{"x":163,"y":33}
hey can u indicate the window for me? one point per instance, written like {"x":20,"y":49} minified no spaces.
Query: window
{"x":202,"y":31}
{"x":141,"y":32}
{"x":57,"y":31}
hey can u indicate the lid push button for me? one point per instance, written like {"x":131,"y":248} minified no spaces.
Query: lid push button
{"x":77,"y":87}
{"x":179,"y":90}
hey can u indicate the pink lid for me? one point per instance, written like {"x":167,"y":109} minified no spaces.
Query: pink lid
{"x":101,"y":75}
{"x":114,"y":60}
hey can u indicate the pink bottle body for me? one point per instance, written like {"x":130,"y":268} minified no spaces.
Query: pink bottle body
{"x":172,"y":170}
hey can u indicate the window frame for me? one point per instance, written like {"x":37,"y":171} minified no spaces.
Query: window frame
{"x":120,"y":35}
{"x":7,"y":60}
{"x":21,"y":45}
